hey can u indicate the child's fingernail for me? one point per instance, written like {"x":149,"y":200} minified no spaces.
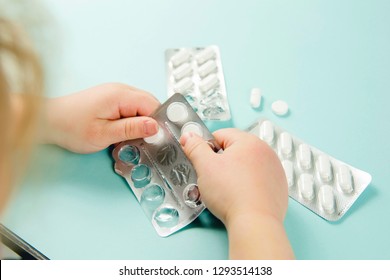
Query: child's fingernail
{"x":150,"y":127}
{"x":184,"y":138}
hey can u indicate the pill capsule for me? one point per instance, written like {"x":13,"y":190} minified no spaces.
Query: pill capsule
{"x":180,"y":57}
{"x":324,"y":168}
{"x":183,"y":85}
{"x":289,"y":171}
{"x":177,"y":112}
{"x":306,"y":186}
{"x":207,"y":68}
{"x":182,"y":71}
{"x":204,"y":55}
{"x":255,"y":98}
{"x":304,"y":156}
{"x":267,"y":132}
{"x":285,"y":144}
{"x":326,"y":198}
{"x":192,"y":127}
{"x":209,"y":82}
{"x":156,"y":138}
{"x":279,"y":108}
{"x":344,"y":177}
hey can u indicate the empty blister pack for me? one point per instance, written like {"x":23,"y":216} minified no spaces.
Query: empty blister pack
{"x":197,"y":74}
{"x":157,"y":170}
{"x":325,"y":185}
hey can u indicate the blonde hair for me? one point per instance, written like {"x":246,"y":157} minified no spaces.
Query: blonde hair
{"x":21,"y":85}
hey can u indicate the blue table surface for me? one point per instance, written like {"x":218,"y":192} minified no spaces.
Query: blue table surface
{"x":329,"y":60}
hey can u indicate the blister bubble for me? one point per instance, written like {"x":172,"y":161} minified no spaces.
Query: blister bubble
{"x":141,"y":175}
{"x":129,"y":154}
{"x":167,"y":217}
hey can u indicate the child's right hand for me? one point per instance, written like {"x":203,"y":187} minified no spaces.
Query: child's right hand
{"x":246,"y":188}
{"x":246,"y":178}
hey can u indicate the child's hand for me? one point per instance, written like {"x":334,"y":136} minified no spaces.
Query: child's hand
{"x":246,"y":178}
{"x":246,"y":188}
{"x":93,"y":119}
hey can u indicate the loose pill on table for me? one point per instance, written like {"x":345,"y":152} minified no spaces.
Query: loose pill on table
{"x":345,"y":179}
{"x":279,"y":108}
{"x":324,"y":168}
{"x":285,"y":142}
{"x":289,"y":171}
{"x":267,"y":132}
{"x":177,"y":112}
{"x":255,"y":98}
{"x":209,"y":82}
{"x":180,"y":57}
{"x":306,"y":186}
{"x":326,"y":198}
{"x":304,"y":156}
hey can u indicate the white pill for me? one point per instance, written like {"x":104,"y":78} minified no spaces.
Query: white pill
{"x":306,"y":186}
{"x":344,"y":177}
{"x":204,"y":55}
{"x":156,"y":138}
{"x":289,"y":171}
{"x":180,"y":57}
{"x":324,"y":168}
{"x":208,"y":83}
{"x":192,"y":127}
{"x":255,"y":98}
{"x":285,"y":144}
{"x":267,"y":132}
{"x":183,"y":85}
{"x":177,"y":112}
{"x":182,"y":71}
{"x":304,"y":156}
{"x":207,"y":68}
{"x":279,"y":107}
{"x":326,"y":198}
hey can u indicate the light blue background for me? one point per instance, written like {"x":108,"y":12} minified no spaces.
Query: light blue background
{"x":328,"y":59}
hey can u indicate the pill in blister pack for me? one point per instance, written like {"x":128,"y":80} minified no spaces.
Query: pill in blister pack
{"x":157,"y":170}
{"x":323,"y":184}
{"x":197,"y":74}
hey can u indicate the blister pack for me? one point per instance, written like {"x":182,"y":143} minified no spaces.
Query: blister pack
{"x":197,"y":74}
{"x":157,"y":170}
{"x":325,"y":185}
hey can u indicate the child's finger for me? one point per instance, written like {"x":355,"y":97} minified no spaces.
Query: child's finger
{"x":130,"y":128}
{"x":228,"y":136}
{"x":196,"y":149}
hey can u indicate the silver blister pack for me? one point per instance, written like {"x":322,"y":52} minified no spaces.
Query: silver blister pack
{"x":157,"y":170}
{"x":324,"y":184}
{"x":197,"y":74}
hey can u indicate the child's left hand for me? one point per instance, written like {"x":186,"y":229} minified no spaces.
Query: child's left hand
{"x":93,"y":119}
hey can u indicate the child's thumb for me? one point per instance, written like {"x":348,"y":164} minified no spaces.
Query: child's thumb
{"x":131,"y":128}
{"x":196,"y":149}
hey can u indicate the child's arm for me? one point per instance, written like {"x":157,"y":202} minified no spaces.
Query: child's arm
{"x":93,"y":119}
{"x":246,"y":188}
{"x":257,"y":236}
